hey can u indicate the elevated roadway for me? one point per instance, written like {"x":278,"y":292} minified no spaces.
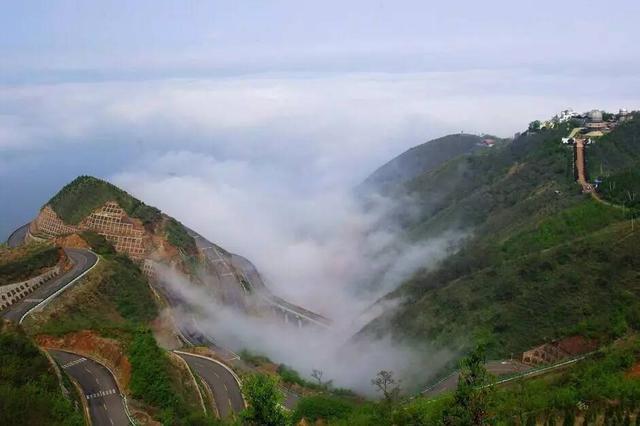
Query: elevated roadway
{"x":250,"y":281}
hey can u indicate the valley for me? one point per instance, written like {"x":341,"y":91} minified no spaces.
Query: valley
{"x":545,"y":283}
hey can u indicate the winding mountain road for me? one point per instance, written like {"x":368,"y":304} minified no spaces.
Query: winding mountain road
{"x":223,"y":384}
{"x":106,"y":404}
{"x":83,"y":260}
{"x":17,"y":237}
{"x":96,"y":381}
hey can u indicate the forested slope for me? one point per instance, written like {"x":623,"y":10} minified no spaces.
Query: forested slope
{"x":542,"y":259}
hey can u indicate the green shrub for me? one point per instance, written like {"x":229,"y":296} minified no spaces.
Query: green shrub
{"x":177,"y":235}
{"x":150,"y":379}
{"x":29,"y":390}
{"x":35,"y":259}
{"x":264,"y":401}
{"x":98,"y":243}
{"x":127,"y":287}
{"x":83,"y":195}
{"x":321,"y":407}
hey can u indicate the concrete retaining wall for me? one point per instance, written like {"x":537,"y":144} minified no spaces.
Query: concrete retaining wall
{"x":12,"y":293}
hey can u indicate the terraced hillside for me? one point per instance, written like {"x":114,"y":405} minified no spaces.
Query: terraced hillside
{"x":88,"y":203}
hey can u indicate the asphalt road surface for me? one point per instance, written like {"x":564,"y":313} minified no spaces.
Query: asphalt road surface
{"x":226,"y":391}
{"x":497,"y":368}
{"x":106,"y":405}
{"x":17,"y":237}
{"x":82,"y":260}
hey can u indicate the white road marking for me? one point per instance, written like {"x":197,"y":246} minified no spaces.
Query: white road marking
{"x":100,"y":394}
{"x":74,"y":362}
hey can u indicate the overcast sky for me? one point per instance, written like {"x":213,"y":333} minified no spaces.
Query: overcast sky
{"x":311,"y":96}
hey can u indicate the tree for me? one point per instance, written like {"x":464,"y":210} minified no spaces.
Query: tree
{"x":317,"y":374}
{"x":386,"y":384}
{"x":474,"y":395}
{"x":534,"y":126}
{"x":264,"y":401}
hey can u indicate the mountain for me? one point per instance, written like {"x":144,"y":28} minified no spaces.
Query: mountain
{"x":542,"y":260}
{"x":421,"y":159}
{"x":134,"y":228}
{"x":114,"y":314}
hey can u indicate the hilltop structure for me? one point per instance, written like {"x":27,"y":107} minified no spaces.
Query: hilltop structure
{"x":595,"y":122}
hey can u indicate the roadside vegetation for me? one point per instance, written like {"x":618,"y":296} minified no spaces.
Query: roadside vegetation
{"x":264,"y":401}
{"x":606,"y":385}
{"x":292,"y":379}
{"x":29,"y":389}
{"x":115,"y":301}
{"x":153,"y":382}
{"x":28,"y":261}
{"x":115,"y":298}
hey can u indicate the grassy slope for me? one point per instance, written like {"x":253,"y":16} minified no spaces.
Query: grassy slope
{"x":421,"y":159}
{"x":79,"y":198}
{"x":84,"y":194}
{"x":27,"y":261}
{"x":518,"y":281}
{"x":600,"y":386}
{"x":115,"y":297}
{"x":616,"y":158}
{"x":115,"y":300}
{"x":29,"y":389}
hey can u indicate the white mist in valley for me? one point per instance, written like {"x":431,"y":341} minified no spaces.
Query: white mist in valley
{"x":316,"y":247}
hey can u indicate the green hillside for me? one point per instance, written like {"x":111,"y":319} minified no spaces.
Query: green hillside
{"x":29,"y":390}
{"x":116,"y":301}
{"x":542,"y":260}
{"x":421,"y":159}
{"x":602,"y":389}
{"x":84,"y":194}
{"x":27,"y":261}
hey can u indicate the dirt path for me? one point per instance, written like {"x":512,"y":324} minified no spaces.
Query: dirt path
{"x":580,"y":166}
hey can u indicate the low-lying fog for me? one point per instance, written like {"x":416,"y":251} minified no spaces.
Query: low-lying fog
{"x":319,"y":249}
{"x":264,"y":166}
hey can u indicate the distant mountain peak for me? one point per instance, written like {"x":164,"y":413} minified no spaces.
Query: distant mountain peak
{"x":421,"y":159}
